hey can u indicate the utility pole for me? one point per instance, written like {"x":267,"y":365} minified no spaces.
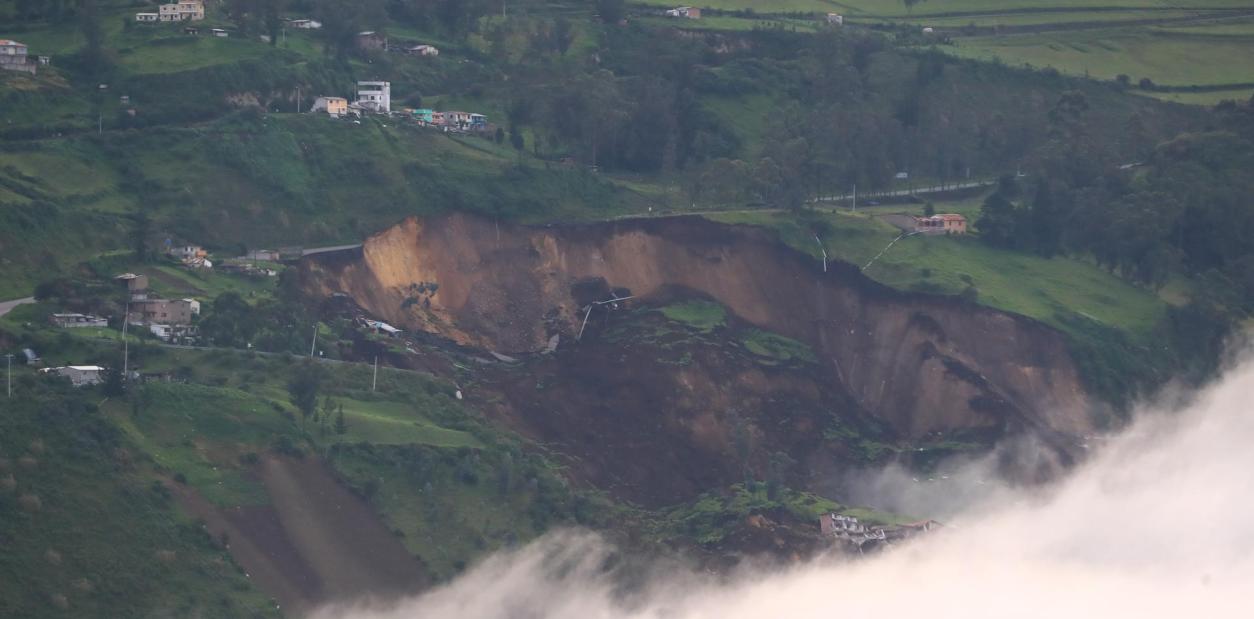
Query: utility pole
{"x":855,"y":197}
{"x":297,"y":97}
{"x":126,"y":345}
{"x":9,"y":377}
{"x":374,"y":382}
{"x":315,"y":341}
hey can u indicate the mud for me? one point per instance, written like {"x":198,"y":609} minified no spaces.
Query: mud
{"x":920,"y":363}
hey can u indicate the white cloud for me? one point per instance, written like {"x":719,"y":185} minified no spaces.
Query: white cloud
{"x":1158,"y":524}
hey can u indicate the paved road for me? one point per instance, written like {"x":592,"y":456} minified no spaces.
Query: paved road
{"x":323,"y":250}
{"x":909,"y":192}
{"x":7,"y":306}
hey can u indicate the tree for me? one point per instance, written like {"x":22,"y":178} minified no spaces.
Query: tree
{"x":999,"y":217}
{"x":272,"y":15}
{"x":611,"y":11}
{"x":303,"y":388}
{"x":499,"y":136}
{"x":563,"y":35}
{"x":141,"y":229}
{"x":516,"y":140}
{"x":341,"y":425}
{"x":929,"y":209}
{"x":95,"y":60}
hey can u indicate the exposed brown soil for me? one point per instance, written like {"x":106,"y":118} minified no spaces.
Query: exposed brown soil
{"x":920,"y":363}
{"x":314,"y":543}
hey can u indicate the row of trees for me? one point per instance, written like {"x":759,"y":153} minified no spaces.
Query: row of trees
{"x":1187,"y":208}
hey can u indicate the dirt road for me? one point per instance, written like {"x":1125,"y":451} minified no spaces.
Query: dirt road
{"x":7,"y":306}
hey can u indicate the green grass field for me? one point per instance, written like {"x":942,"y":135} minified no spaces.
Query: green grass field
{"x":1167,"y":57}
{"x":90,"y":531}
{"x":1045,"y":289}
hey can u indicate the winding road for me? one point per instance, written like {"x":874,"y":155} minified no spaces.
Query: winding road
{"x":7,"y":306}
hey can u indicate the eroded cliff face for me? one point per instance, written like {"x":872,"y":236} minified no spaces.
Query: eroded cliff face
{"x":921,"y":363}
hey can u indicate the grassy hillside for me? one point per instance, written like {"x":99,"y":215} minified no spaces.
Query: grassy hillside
{"x":1049,"y":290}
{"x":90,"y":531}
{"x":243,"y":182}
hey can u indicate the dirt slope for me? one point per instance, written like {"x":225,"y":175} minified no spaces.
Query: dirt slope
{"x":315,"y":543}
{"x":921,"y":363}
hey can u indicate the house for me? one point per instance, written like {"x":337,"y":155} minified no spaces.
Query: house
{"x":194,"y":305}
{"x":72,"y":321}
{"x":189,"y":10}
{"x":945,"y":223}
{"x":13,"y":57}
{"x":478,"y":122}
{"x":439,"y":119}
{"x":333,"y":106}
{"x":305,"y":24}
{"x":191,"y":30}
{"x":375,"y":96}
{"x":837,"y":525}
{"x":147,"y":18}
{"x":371,"y":40}
{"x":31,"y":357}
{"x":928,"y":30}
{"x":175,"y":334}
{"x":424,"y":116}
{"x":218,"y":32}
{"x":136,"y":285}
{"x":422,"y":50}
{"x":79,"y":375}
{"x":186,"y":252}
{"x":689,"y":12}
{"x":161,"y":311}
{"x":835,"y":19}
{"x":262,"y":255}
{"x":383,"y":328}
{"x":457,"y":120}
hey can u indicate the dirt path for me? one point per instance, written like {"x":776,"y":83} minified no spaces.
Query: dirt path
{"x":338,"y":535}
{"x":315,"y":543}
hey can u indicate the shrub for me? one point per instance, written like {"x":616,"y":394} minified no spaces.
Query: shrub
{"x":30,"y":503}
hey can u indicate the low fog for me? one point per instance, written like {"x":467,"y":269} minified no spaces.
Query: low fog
{"x":1156,"y":524}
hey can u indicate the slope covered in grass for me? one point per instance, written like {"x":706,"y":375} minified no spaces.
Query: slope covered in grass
{"x":89,"y":531}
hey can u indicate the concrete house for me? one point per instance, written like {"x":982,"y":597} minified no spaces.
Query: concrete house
{"x":13,"y":57}
{"x":333,"y":106}
{"x":79,"y":375}
{"x":946,"y":223}
{"x":837,"y":525}
{"x":136,"y":285}
{"x":424,"y":116}
{"x":74,"y":321}
{"x":175,"y":334}
{"x":687,"y":12}
{"x":835,"y":19}
{"x":375,"y":96}
{"x":161,"y":311}
{"x":422,"y":50}
{"x":187,"y":252}
{"x":147,"y":18}
{"x":370,"y":40}
{"x":218,"y":32}
{"x":191,"y":10}
{"x":305,"y":24}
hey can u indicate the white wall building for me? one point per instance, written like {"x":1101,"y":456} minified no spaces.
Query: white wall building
{"x":79,"y":375}
{"x":13,"y":57}
{"x":375,"y":96}
{"x":193,"y":10}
